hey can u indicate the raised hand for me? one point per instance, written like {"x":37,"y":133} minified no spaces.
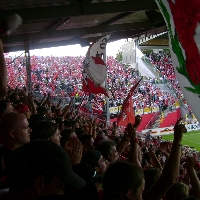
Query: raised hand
{"x":76,"y":152}
{"x":179,"y":129}
{"x":74,"y":149}
{"x":138,"y":120}
{"x":152,"y":152}
{"x":131,"y":131}
{"x":189,"y":163}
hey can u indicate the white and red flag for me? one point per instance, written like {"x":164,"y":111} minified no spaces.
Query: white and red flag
{"x":97,"y":108}
{"x":94,"y":68}
{"x":98,"y":48}
{"x":127,"y":113}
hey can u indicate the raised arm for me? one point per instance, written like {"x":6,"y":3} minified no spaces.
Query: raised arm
{"x":31,"y":104}
{"x":3,"y":73}
{"x":155,"y":161}
{"x":134,"y":152}
{"x":171,"y":169}
{"x":194,"y":181}
{"x":66,"y":109}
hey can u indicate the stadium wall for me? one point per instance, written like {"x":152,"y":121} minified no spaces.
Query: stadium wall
{"x":145,"y":119}
{"x":171,"y":119}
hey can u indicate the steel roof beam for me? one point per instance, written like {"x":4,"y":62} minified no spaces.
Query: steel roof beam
{"x":79,"y":10}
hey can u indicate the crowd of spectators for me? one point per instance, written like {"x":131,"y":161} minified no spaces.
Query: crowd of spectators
{"x":62,"y":76}
{"x":53,"y":153}
{"x":163,"y":63}
{"x":49,"y":152}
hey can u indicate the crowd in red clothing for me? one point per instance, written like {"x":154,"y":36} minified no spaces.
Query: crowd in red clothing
{"x":52,"y":153}
{"x":163,"y":63}
{"x":63,"y":76}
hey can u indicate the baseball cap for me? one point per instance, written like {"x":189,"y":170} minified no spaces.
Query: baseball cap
{"x":46,"y":158}
{"x":91,"y":157}
{"x":36,"y":118}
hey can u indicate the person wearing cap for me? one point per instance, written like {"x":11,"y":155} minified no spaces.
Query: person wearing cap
{"x":96,"y":160}
{"x":92,"y":190}
{"x":23,"y":108}
{"x":34,"y":119}
{"x":15,"y":130}
{"x":41,"y":168}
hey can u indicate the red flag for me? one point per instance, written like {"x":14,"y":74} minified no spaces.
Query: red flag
{"x":97,"y":108}
{"x":127,"y":113}
{"x":89,"y":86}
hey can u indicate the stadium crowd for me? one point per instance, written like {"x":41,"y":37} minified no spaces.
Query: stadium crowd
{"x":49,"y":152}
{"x":62,"y":76}
{"x":163,"y":63}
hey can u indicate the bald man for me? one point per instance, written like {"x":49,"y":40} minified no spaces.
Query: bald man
{"x":15,"y":130}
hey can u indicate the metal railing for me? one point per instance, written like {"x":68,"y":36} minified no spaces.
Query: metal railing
{"x":152,"y":120}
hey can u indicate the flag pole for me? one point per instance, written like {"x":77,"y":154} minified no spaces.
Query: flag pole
{"x":107,"y":99}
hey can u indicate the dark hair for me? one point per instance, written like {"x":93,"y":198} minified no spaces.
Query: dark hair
{"x":67,"y":123}
{"x":79,"y":132}
{"x":43,"y":130}
{"x":42,"y":110}
{"x":13,"y":96}
{"x":85,"y":171}
{"x":147,"y":157}
{"x":65,"y":136}
{"x":59,"y":122}
{"x":34,"y":119}
{"x":105,"y":147}
{"x":119,"y":178}
{"x":3,"y":106}
{"x":53,"y":108}
{"x":73,"y":123}
{"x":177,"y":192}
{"x":151,"y":175}
{"x":85,"y":138}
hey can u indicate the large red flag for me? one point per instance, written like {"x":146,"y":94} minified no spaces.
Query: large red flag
{"x":127,"y":113}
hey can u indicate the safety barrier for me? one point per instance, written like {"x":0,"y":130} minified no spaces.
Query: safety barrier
{"x":146,"y":110}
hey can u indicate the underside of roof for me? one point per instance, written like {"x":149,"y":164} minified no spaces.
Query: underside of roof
{"x":51,"y":23}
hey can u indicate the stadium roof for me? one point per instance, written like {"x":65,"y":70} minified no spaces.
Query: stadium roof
{"x":51,"y":23}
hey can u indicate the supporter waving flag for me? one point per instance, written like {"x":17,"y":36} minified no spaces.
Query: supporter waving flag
{"x":94,"y":68}
{"x":127,"y":113}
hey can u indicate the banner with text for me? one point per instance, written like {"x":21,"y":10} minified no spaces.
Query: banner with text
{"x":170,"y":130}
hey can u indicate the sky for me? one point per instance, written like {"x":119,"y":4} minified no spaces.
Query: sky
{"x":74,"y":50}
